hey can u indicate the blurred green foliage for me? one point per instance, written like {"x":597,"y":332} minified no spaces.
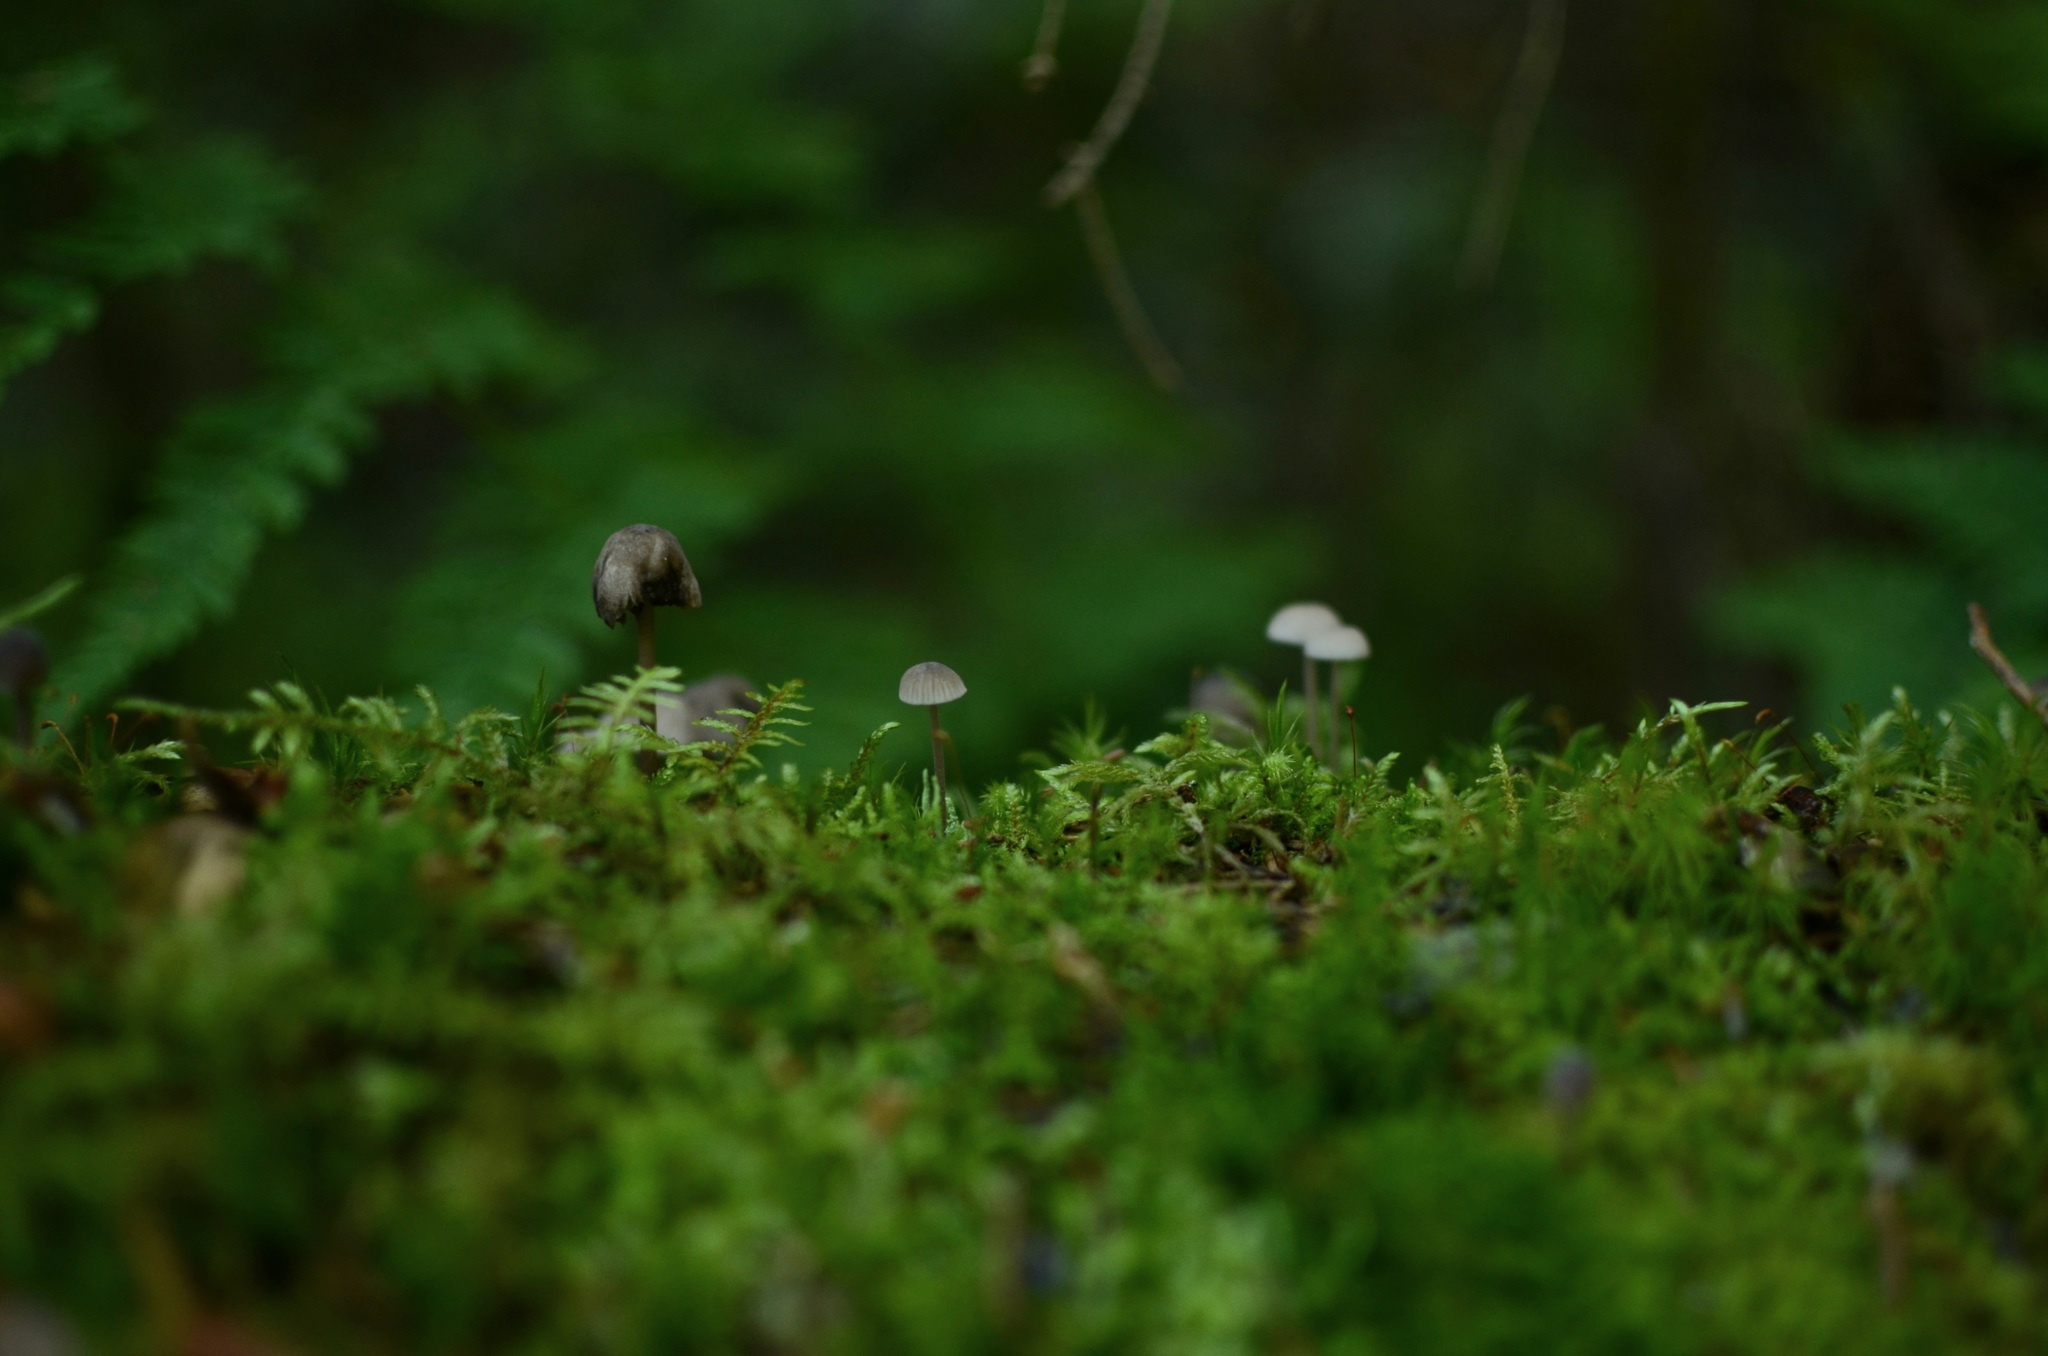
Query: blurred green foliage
{"x":468,"y":1036}
{"x":337,"y":335}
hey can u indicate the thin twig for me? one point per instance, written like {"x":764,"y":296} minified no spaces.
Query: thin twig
{"x":1123,"y":298}
{"x":1043,"y":61}
{"x":1994,"y":658}
{"x":1542,"y":46}
{"x":1079,"y":171}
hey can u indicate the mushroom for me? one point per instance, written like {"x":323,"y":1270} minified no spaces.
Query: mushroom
{"x":24,"y":663}
{"x":1338,"y":645}
{"x":642,"y":567}
{"x":932,"y":685}
{"x":680,"y":718}
{"x":1223,"y":699}
{"x":1297,"y":624}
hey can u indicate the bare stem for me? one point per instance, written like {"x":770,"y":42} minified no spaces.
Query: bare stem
{"x":1123,"y":298}
{"x":939,"y":766}
{"x":1042,"y":63}
{"x":1116,"y":114}
{"x":1542,"y":46}
{"x":1309,"y":703}
{"x":1994,"y":658}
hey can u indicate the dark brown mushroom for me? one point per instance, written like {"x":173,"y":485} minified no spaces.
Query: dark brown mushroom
{"x":642,"y":567}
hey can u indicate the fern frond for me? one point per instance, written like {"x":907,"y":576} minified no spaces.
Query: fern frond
{"x":40,"y":603}
{"x":160,"y":214}
{"x":247,"y":468}
{"x":765,"y":728}
{"x":80,"y":101}
{"x":614,"y":712}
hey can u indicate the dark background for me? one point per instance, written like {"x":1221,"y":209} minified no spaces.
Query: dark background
{"x":339,"y":335}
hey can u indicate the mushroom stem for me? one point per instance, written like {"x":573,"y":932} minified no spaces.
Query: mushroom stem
{"x":1308,"y":706}
{"x":648,"y":760}
{"x":939,"y":765}
{"x":1336,"y":726}
{"x":645,"y":616}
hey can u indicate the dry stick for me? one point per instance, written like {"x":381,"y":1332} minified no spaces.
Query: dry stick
{"x":1080,"y":168}
{"x":1123,"y":298}
{"x":1542,"y":45}
{"x":1040,"y":65}
{"x":1987,"y":650}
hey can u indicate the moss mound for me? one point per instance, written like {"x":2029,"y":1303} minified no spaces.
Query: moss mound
{"x":438,"y":1037}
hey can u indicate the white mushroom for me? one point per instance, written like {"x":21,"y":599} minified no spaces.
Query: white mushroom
{"x":1298,"y":624}
{"x":1338,"y":645}
{"x":932,"y":685}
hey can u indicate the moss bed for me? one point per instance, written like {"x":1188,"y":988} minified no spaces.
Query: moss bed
{"x":416,"y":1035}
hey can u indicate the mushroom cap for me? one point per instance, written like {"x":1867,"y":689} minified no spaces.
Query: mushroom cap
{"x":930,"y":684}
{"x":24,"y":663}
{"x":1339,"y":644}
{"x":1296,"y":623}
{"x":641,"y":566}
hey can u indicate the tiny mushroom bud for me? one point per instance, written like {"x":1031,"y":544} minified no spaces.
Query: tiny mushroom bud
{"x":1298,"y":624}
{"x":932,"y":685}
{"x":24,"y":663}
{"x":1338,"y":645}
{"x":642,"y":567}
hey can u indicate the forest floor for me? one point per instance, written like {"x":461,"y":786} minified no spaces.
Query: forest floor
{"x":419,"y":1035}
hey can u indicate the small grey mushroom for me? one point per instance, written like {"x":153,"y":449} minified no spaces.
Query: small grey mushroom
{"x":642,"y":567}
{"x":932,"y":685}
{"x":24,"y":664}
{"x":679,"y":718}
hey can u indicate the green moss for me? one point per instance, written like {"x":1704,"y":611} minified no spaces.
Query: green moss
{"x":497,"y":1048}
